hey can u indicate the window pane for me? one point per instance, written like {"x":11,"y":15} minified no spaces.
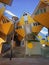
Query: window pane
{"x":41,"y":10}
{"x":44,"y":9}
{"x":38,"y":12}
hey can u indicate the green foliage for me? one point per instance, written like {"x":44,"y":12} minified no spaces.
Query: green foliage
{"x":34,"y":38}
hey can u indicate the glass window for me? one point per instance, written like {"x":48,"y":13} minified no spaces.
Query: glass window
{"x":37,"y":12}
{"x":25,"y":18}
{"x":34,"y":24}
{"x":41,"y":10}
{"x":38,"y":23}
{"x":44,"y":9}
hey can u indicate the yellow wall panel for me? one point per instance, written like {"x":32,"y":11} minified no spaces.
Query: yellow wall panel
{"x":47,"y":43}
{"x":11,"y":29}
{"x":6,"y":27}
{"x":45,"y":1}
{"x":21,"y":32}
{"x":1,"y":41}
{"x":2,"y":11}
{"x":37,"y":28}
{"x":21,"y":21}
{"x":2,"y":35}
{"x":20,"y":37}
{"x":30,"y":20}
{"x":1,"y":29}
{"x":0,"y":48}
{"x":43,"y":19}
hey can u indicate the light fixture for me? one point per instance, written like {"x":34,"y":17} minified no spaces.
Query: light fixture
{"x":43,"y":45}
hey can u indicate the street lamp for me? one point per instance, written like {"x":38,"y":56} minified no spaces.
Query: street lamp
{"x":15,"y":20}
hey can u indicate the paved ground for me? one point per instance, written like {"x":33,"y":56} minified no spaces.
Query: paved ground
{"x":24,"y":61}
{"x":17,"y":52}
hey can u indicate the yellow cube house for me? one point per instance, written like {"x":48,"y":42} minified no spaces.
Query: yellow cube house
{"x":1,"y":41}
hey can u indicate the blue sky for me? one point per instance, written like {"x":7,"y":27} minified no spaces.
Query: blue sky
{"x":19,"y":6}
{"x":44,"y":31}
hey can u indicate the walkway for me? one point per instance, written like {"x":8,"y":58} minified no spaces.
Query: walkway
{"x":24,"y":61}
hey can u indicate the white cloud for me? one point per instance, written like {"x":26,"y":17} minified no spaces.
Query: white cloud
{"x":45,"y":29}
{"x":44,"y":32}
{"x":10,"y":13}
